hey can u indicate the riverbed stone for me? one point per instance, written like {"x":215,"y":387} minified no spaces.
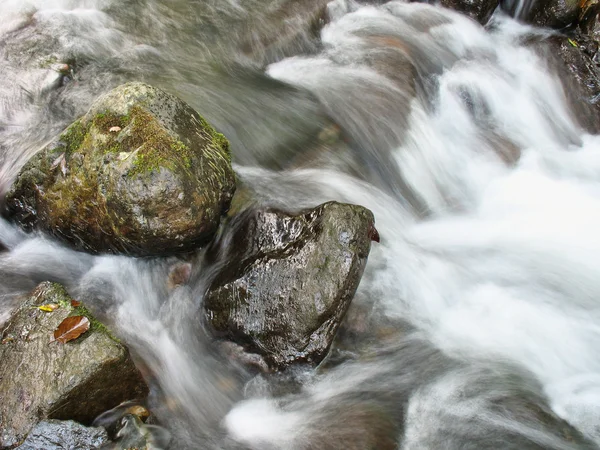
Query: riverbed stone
{"x":64,"y":435}
{"x":554,"y":13}
{"x":288,"y":279}
{"x":41,"y":378}
{"x":141,"y":173}
{"x":479,"y":10}
{"x":580,"y":78}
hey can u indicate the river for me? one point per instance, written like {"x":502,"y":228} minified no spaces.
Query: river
{"x":478,"y":316}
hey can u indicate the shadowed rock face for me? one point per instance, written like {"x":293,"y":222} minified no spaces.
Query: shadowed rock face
{"x":140,"y":173}
{"x":580,"y":79}
{"x":554,"y":13}
{"x":43,"y":379}
{"x":479,"y":10}
{"x":291,"y":281}
{"x":64,"y":435}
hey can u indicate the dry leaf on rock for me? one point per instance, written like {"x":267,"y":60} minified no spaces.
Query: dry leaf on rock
{"x":71,"y":328}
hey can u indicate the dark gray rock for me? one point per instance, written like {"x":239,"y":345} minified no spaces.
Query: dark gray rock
{"x":64,"y":435}
{"x":554,"y":13}
{"x":288,"y":280}
{"x":42,"y":379}
{"x":479,"y":10}
{"x":580,"y":78}
{"x":140,"y":173}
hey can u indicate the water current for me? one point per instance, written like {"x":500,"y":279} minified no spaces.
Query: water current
{"x":477,"y":322}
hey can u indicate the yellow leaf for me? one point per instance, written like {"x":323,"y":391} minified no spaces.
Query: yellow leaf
{"x":573,"y":43}
{"x":49,"y":307}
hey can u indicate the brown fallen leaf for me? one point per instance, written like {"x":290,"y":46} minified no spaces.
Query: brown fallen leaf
{"x":71,"y":328}
{"x":373,"y":233}
{"x":49,"y":307}
{"x":75,"y":303}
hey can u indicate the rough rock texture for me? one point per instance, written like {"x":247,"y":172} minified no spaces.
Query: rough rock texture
{"x":554,"y":13}
{"x":140,"y":173}
{"x":292,"y":27}
{"x":289,"y":279}
{"x":479,"y":10}
{"x":64,"y":435}
{"x":42,"y":379}
{"x":580,"y":77}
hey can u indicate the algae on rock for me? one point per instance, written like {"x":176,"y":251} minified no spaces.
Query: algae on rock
{"x":41,"y":378}
{"x":141,"y":173}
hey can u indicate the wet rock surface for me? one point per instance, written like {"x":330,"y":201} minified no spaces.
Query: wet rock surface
{"x":64,"y":435}
{"x":554,"y":13}
{"x":479,"y":10}
{"x":141,"y":173}
{"x":42,"y":379}
{"x":580,"y":77}
{"x":284,"y":294}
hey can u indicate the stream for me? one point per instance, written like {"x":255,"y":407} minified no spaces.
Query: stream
{"x":477,"y":321}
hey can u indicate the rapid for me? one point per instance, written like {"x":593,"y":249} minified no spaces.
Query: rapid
{"x":477,"y":321}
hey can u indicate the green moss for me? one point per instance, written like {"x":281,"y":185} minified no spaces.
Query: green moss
{"x":95,"y":325}
{"x":74,"y":136}
{"x":47,"y":62}
{"x":156,"y":147}
{"x":105,"y":121}
{"x":62,"y":297}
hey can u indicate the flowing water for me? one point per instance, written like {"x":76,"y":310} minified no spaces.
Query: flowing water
{"x":477,"y":322}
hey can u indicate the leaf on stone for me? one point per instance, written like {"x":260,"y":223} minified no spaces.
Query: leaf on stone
{"x":75,"y":303}
{"x":573,"y":43}
{"x":71,"y":328}
{"x":49,"y":307}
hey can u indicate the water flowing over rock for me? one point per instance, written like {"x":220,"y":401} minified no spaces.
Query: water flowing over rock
{"x":479,"y":10}
{"x":291,"y":279}
{"x":64,"y":435}
{"x":140,"y":173}
{"x":580,"y":78}
{"x":42,"y":379}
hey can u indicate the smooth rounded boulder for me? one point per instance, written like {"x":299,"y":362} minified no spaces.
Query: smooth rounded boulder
{"x":141,"y":173}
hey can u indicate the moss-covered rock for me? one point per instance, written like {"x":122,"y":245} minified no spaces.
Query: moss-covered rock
{"x":42,"y":379}
{"x":141,"y":173}
{"x":287,"y":280}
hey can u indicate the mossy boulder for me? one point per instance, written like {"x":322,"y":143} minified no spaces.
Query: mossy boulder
{"x":141,"y":173}
{"x":287,"y":280}
{"x":41,"y":378}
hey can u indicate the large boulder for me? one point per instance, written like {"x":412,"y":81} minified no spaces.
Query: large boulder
{"x":64,"y":435}
{"x":41,"y":378}
{"x":288,"y":280}
{"x":140,"y":173}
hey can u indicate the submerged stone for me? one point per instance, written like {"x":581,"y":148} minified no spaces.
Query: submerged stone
{"x":288,"y":280}
{"x":41,"y":378}
{"x":141,"y":173}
